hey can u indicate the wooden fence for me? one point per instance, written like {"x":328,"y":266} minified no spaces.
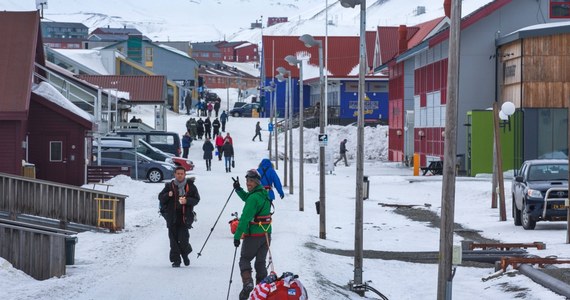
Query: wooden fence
{"x":38,"y":253}
{"x":66,"y":203}
{"x":104,"y":173}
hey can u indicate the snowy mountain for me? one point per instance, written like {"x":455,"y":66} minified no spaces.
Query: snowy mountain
{"x":207,"y":20}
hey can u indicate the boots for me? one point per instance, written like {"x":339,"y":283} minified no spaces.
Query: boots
{"x":247,"y":285}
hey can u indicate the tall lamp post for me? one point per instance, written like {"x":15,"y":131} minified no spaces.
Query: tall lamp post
{"x":289,"y":118}
{"x":270,"y":89}
{"x":281,"y":78}
{"x":293,"y":61}
{"x":358,"y":224}
{"x":310,"y":41}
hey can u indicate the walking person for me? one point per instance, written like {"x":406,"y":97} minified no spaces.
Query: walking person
{"x":217,"y":106}
{"x":229,"y":138}
{"x":270,"y":179}
{"x":228,"y":150}
{"x":208,"y":128}
{"x":210,"y":107}
{"x":200,"y":128}
{"x":257,"y":132}
{"x":208,"y":148}
{"x":255,"y":229}
{"x":342,"y":153}
{"x":186,"y":142}
{"x":223,"y":120}
{"x":188,"y":103}
{"x":219,"y":143}
{"x":177,"y":201}
{"x":216,"y":127}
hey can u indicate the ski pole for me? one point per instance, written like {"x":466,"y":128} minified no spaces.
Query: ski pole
{"x":212,"y":229}
{"x":232,"y":274}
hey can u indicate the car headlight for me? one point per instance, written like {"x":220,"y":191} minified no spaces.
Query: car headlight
{"x":168,"y":167}
{"x":169,"y":160}
{"x":534,"y":193}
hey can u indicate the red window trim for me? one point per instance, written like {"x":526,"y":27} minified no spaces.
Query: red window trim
{"x":552,"y":3}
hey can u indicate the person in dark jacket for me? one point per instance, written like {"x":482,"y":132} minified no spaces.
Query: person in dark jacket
{"x":177,"y":201}
{"x":200,"y":128}
{"x":208,"y":128}
{"x":228,"y":151}
{"x":188,"y":103}
{"x":223,"y":120}
{"x":342,"y":153}
{"x":257,"y":132}
{"x":217,"y":106}
{"x":216,"y":127}
{"x":255,"y":228}
{"x":208,"y":149}
{"x":186,"y":142}
{"x":270,"y":179}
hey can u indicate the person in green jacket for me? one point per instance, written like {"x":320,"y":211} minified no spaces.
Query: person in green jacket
{"x":255,"y":229}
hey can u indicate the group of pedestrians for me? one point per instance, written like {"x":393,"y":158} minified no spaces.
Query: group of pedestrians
{"x":224,"y":147}
{"x":206,"y":108}
{"x":206,"y":128}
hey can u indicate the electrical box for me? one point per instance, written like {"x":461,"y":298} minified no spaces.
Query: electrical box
{"x":457,"y":255}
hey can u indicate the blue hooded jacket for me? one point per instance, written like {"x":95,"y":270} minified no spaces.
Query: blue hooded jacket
{"x":269,"y":178}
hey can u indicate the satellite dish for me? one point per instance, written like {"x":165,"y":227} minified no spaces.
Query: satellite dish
{"x":41,"y":4}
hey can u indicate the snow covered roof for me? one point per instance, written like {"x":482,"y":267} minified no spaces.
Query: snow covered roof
{"x":536,"y":30}
{"x":47,"y":91}
{"x":89,"y":58}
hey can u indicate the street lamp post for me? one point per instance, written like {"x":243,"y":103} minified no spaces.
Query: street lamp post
{"x":358,"y":224}
{"x":284,"y":72}
{"x":310,"y":41}
{"x":292,"y":60}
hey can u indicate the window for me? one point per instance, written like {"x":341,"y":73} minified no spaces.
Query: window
{"x":161,"y":139}
{"x":148,"y":57}
{"x":560,"y":9}
{"x":55,"y":151}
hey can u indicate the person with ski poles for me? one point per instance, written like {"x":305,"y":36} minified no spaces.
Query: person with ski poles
{"x":270,"y":179}
{"x":255,"y":229}
{"x":177,"y":201}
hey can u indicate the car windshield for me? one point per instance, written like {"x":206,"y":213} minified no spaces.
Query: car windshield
{"x":548,"y":172}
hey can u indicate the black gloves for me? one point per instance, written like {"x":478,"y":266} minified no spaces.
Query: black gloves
{"x":236,"y":186}
{"x":236,"y":243}
{"x":282,"y":196}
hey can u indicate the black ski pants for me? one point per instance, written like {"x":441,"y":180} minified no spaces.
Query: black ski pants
{"x":179,"y":242}
{"x":254,"y":247}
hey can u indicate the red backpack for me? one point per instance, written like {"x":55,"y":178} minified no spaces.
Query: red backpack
{"x":287,"y":287}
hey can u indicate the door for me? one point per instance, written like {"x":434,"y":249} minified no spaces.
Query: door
{"x":53,"y":165}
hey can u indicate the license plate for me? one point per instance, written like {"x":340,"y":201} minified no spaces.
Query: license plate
{"x":558,"y":206}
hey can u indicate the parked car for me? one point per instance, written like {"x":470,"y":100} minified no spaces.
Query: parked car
{"x":244,"y":111}
{"x":154,"y":171}
{"x":539,"y":192}
{"x":239,"y":104}
{"x":166,"y":141}
{"x":145,"y":149}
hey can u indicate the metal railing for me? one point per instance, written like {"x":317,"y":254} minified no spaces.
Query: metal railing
{"x":66,"y":203}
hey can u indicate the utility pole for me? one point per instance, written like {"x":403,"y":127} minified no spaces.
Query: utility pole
{"x":291,"y":189}
{"x":286,"y":126}
{"x":445,"y":278}
{"x":276,"y":135}
{"x":499,"y":163}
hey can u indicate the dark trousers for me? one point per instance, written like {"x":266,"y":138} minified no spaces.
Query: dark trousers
{"x":256,"y":135}
{"x":223,"y":126}
{"x":208,"y":164}
{"x":342,"y":155}
{"x":254,"y":247}
{"x":219,"y":152}
{"x":216,"y":131}
{"x":208,"y":133}
{"x":185,"y":152}
{"x":179,"y":245}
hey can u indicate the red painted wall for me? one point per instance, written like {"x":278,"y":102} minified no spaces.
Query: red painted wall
{"x":396,"y":113}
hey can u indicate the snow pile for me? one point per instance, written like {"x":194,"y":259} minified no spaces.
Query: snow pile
{"x":50,"y":93}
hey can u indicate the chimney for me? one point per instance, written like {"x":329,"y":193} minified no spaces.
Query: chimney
{"x":447,"y":8}
{"x":402,"y":40}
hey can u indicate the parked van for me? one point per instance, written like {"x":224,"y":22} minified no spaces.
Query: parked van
{"x":166,"y":141}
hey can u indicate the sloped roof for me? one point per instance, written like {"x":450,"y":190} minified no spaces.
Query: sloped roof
{"x":230,"y":44}
{"x":206,"y":46}
{"x":144,"y":89}
{"x":389,"y":37}
{"x":21,"y":47}
{"x":343,"y":53}
{"x":116,"y":31}
{"x":423,"y":30}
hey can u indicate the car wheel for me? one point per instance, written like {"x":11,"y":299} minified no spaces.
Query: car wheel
{"x":526,"y":221}
{"x":236,"y":114}
{"x":154,"y":175}
{"x":516,"y":213}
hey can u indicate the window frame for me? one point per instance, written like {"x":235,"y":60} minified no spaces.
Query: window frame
{"x":51,"y":151}
{"x":557,"y":3}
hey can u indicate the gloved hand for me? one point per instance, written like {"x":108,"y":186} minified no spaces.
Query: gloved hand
{"x":281,"y":196}
{"x":237,"y":186}
{"x":236,"y":243}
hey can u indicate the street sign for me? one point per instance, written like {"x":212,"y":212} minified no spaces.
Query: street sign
{"x":270,"y":127}
{"x":323,"y":140}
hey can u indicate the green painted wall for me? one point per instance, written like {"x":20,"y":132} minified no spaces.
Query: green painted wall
{"x":480,"y":150}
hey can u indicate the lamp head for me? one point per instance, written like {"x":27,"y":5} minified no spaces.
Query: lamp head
{"x":280,"y":77}
{"x":292,"y":60}
{"x":282,"y":70}
{"x":350,"y":3}
{"x":309,"y":40}
{"x":508,"y":108}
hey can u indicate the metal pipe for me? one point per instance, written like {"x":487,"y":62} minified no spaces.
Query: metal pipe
{"x":545,"y":280}
{"x":291,"y":189}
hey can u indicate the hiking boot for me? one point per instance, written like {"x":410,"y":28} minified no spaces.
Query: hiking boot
{"x":245,"y":291}
{"x":186,"y":260}
{"x":176,"y":264}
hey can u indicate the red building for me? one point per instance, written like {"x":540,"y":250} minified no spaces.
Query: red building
{"x":246,"y":52}
{"x":35,"y":125}
{"x":276,"y":20}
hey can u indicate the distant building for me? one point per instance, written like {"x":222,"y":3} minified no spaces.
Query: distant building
{"x":64,"y":35}
{"x":276,"y":20}
{"x":105,"y":36}
{"x":206,"y":51}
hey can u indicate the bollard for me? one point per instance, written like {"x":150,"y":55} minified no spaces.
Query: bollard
{"x":416,"y":164}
